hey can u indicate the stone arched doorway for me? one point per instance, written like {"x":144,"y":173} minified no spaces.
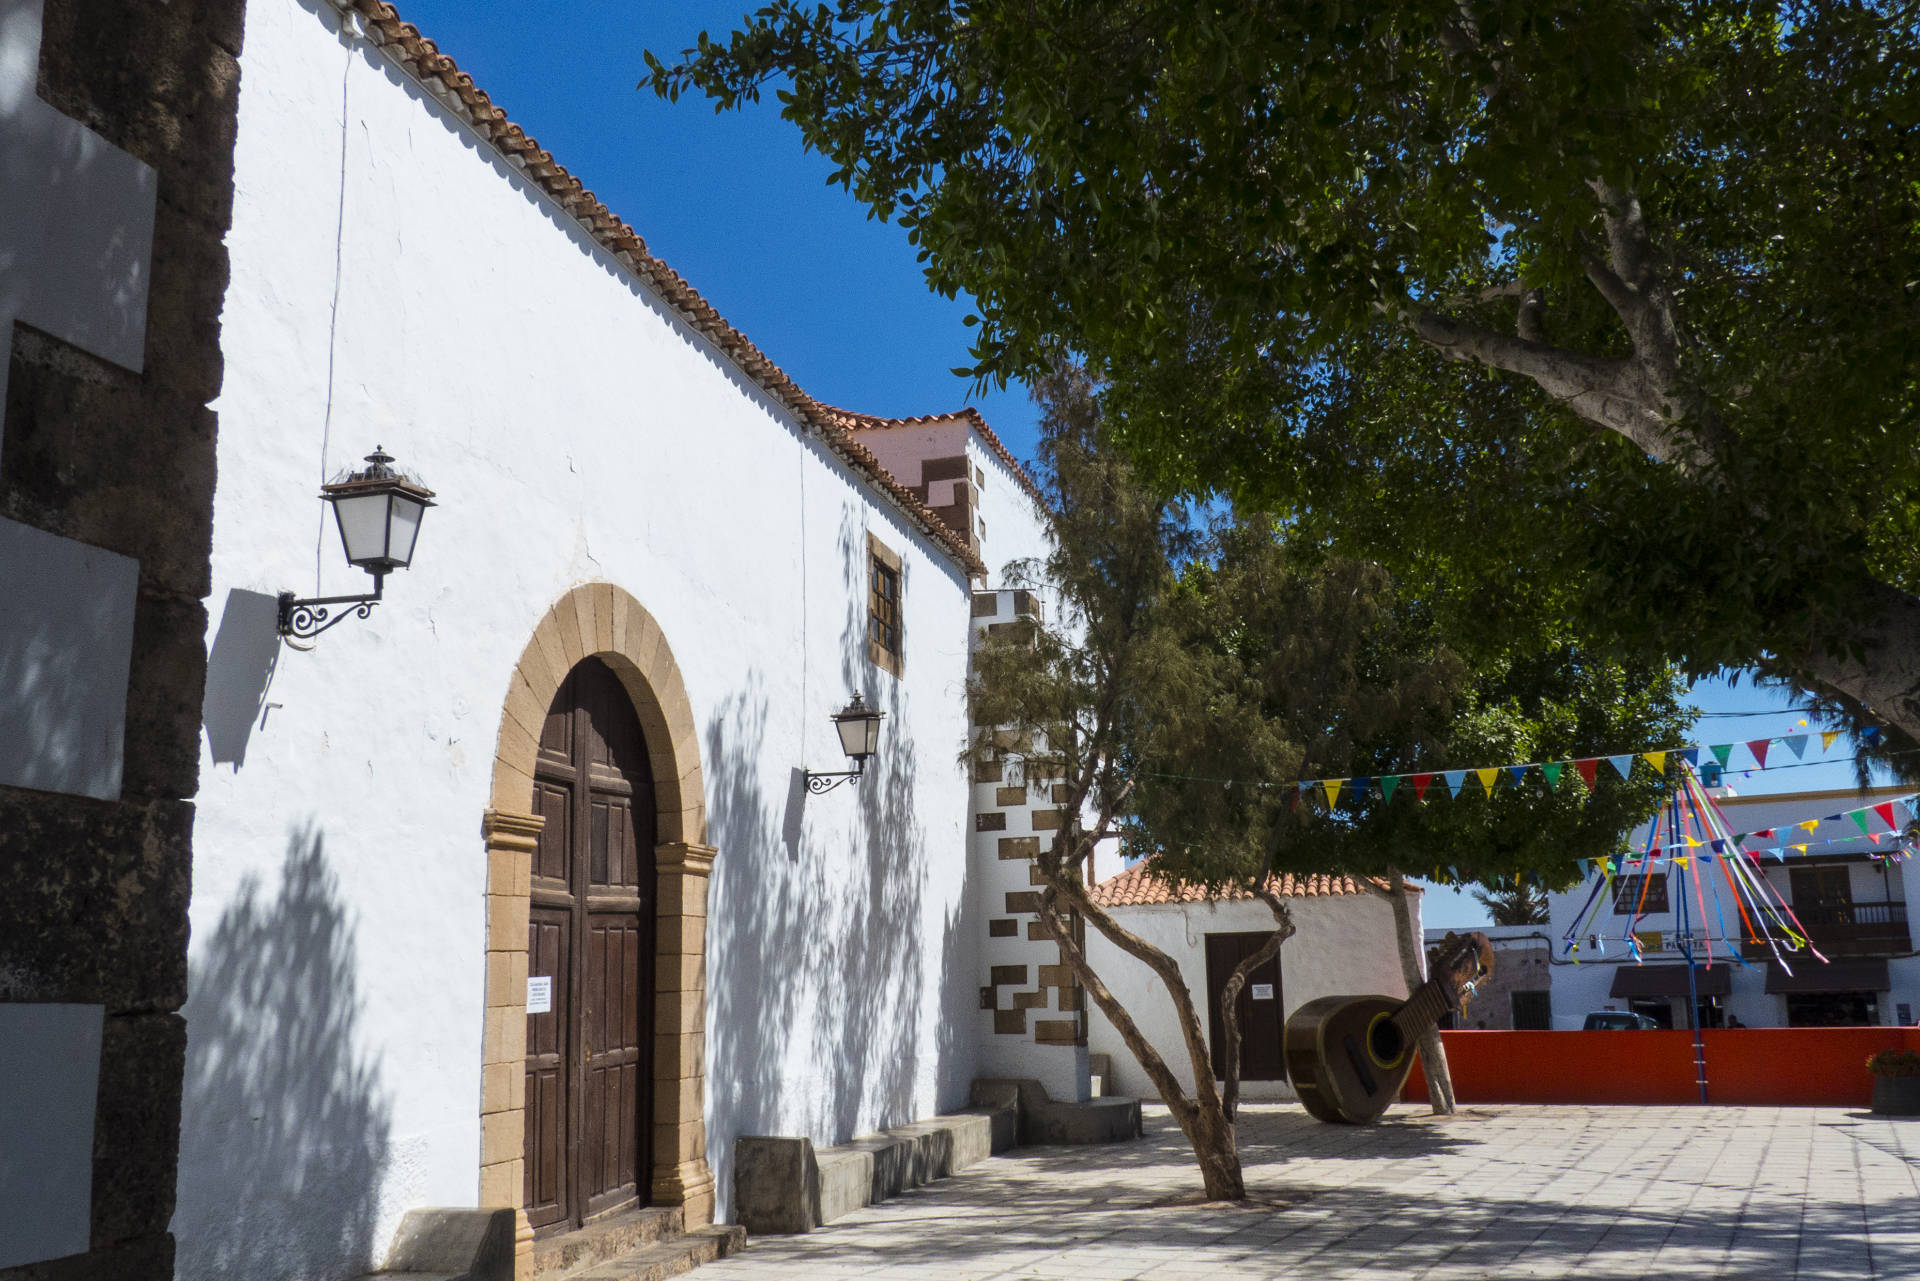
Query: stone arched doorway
{"x":599,"y":620}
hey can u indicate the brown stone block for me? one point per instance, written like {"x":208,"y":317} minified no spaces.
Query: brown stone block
{"x":622,"y":605}
{"x":190,"y":276}
{"x":1019,"y":847}
{"x":1010,"y":1022}
{"x":505,"y":1037}
{"x":1029,"y":1000}
{"x":94,"y":904}
{"x":680,"y":935}
{"x":1062,"y":793}
{"x":507,"y":979}
{"x":1057,"y":1031}
{"x":136,"y":1132}
{"x":525,"y":708}
{"x":506,"y":923}
{"x":502,"y":1135}
{"x":602,"y":618}
{"x":988,"y":771}
{"x":165,"y":698}
{"x":681,"y":1012}
{"x":679,"y":1096}
{"x":684,"y":895}
{"x":1009,"y":796}
{"x":515,"y":744}
{"x":680,"y":972}
{"x":1034,"y":875}
{"x":1047,"y":820}
{"x":512,"y":789}
{"x":990,"y":822}
{"x":546,"y":639}
{"x":680,"y":1056}
{"x":566,"y":618}
{"x":1056,"y":976}
{"x":1025,"y":603}
{"x":503,"y":1183}
{"x":986,"y":604}
{"x":1003,"y":927}
{"x":1071,"y":997}
{"x":1009,"y":975}
{"x":496,"y":1087}
{"x":1027,"y":901}
{"x":1037,"y":932}
{"x":679,"y":1141}
{"x":987,"y":1001}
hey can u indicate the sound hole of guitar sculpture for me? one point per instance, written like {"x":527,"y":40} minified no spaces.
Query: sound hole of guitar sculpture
{"x":1386,"y":1042}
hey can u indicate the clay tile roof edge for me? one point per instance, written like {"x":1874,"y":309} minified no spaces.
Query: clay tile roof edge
{"x":1138,"y":887}
{"x":873,"y":422}
{"x":454,"y":89}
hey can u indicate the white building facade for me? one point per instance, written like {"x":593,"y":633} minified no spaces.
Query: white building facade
{"x":1852,"y":903}
{"x":512,"y":893}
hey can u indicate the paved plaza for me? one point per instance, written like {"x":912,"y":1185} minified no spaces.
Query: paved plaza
{"x":1587,"y":1192}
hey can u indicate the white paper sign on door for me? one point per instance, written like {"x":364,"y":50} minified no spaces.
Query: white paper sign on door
{"x":1263,"y":991}
{"x":540,"y":994}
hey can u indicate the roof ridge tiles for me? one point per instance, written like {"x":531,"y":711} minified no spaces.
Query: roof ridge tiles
{"x":441,"y":77}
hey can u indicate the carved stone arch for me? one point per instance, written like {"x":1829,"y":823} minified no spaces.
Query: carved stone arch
{"x":600,"y":620}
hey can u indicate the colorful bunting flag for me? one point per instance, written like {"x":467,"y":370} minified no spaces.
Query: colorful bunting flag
{"x":1691,"y":755}
{"x":1870,"y":736}
{"x":1797,"y":744}
{"x":1421,"y":782}
{"x":1454,"y":778}
{"x":1720,"y":753}
{"x":1859,"y":817}
{"x":1758,"y":747}
{"x":1360,"y":786}
{"x":1826,"y":738}
{"x":1388,"y":782}
{"x":1516,"y":774}
{"x":1885,"y":811}
{"x":1656,"y":759}
{"x":1333,"y":790}
{"x":1588,"y":767}
{"x":1622,"y":765}
{"x":1487,"y":777}
{"x":1551,"y":771}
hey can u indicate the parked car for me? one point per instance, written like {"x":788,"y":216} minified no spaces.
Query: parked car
{"x":1617,"y":1021}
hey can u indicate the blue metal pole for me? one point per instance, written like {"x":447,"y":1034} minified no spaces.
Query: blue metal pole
{"x":1686,"y":948}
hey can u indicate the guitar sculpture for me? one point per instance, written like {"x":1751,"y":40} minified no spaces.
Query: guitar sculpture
{"x":1348,"y":1056}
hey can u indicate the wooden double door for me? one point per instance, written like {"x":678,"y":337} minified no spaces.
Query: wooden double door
{"x":1259,"y":1007}
{"x":591,"y":938}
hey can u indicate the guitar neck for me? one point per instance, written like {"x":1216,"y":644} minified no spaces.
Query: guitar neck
{"x":1423,"y":1009}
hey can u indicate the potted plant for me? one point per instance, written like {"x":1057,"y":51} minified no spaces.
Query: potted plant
{"x":1896,"y":1082}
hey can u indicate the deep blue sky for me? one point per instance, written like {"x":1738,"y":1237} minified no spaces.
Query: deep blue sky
{"x":731,"y":201}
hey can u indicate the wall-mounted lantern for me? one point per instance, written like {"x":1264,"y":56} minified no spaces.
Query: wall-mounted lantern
{"x":859,"y":728}
{"x":378,"y":511}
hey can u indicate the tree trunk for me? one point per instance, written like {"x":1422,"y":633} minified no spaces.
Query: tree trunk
{"x":1433,"y":1055}
{"x":1884,"y":673}
{"x":1230,"y":1000}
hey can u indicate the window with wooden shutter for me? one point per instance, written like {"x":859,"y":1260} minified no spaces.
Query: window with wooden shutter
{"x":884,"y":581}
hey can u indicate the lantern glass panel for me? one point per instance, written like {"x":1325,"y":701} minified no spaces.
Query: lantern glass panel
{"x":363,"y":526}
{"x":404,"y":527}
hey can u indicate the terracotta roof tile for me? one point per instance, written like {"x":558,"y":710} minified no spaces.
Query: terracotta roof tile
{"x":454,"y":88}
{"x":1140,"y":887}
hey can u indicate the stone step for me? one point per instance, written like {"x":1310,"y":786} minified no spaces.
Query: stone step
{"x":557,"y":1258}
{"x":669,"y":1257}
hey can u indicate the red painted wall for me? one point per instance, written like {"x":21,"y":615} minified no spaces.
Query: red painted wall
{"x":1800,"y":1066}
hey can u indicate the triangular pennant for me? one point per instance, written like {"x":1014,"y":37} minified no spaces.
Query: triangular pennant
{"x":1551,"y":772}
{"x":1656,"y":759}
{"x":1588,"y":768}
{"x":1759,"y":747}
{"x":1859,"y":817}
{"x":1487,"y":777}
{"x":1515,"y":773}
{"x":1622,"y":765}
{"x":1809,"y":825}
{"x":1763,"y":832}
{"x":1801,"y":848}
{"x":1719,"y":846}
{"x":1875,"y":836}
{"x":1721,"y":751}
{"x":1421,"y":782}
{"x":1333,"y":790}
{"x":1586,"y":865}
{"x":1885,"y":811}
{"x":1691,"y":755}
{"x":1454,"y":778}
{"x":1826,"y":738}
{"x":1870,"y":736}
{"x":1360,"y":786}
{"x":1797,"y":744}
{"x":1388,"y":782}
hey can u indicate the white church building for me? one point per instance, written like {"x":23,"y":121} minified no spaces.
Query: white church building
{"x":513,"y":892}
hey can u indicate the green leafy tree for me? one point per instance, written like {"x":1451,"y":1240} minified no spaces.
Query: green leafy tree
{"x":1602,"y":311}
{"x":1183,"y":655}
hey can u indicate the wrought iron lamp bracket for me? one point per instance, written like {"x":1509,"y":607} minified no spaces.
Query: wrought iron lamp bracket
{"x":305,"y":619}
{"x":819,"y":781}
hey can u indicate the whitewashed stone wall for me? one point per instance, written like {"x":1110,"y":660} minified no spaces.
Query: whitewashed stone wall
{"x":574,"y":430}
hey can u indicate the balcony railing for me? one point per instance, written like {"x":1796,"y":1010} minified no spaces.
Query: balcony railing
{"x":1850,"y":929}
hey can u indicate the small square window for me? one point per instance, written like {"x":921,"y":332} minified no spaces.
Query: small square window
{"x":883,"y":606}
{"x":1627,"y":899}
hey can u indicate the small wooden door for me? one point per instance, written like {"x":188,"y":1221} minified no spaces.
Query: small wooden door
{"x":589,"y":1059}
{"x":1259,"y":1007}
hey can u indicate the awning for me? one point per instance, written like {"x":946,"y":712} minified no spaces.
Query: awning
{"x":1810,"y":975}
{"x":1671,"y":980}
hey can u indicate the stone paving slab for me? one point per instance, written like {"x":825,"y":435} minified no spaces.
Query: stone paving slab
{"x":1597,"y":1193}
